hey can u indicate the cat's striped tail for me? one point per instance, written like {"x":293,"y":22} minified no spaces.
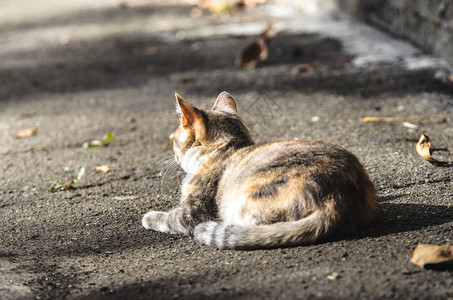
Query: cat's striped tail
{"x":229,"y":236}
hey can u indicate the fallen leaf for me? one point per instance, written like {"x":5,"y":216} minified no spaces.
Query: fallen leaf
{"x":240,"y":4}
{"x":255,"y":51}
{"x":247,"y":4}
{"x":302,"y":68}
{"x":314,"y":119}
{"x":410,"y":125}
{"x":424,"y":149}
{"x":251,"y":54}
{"x":228,"y":6}
{"x":79,"y":174}
{"x":333,"y":276}
{"x":425,"y":255}
{"x":25,"y":133}
{"x":104,"y":168}
{"x":59,"y":185}
{"x":187,"y":79}
{"x":104,"y":142}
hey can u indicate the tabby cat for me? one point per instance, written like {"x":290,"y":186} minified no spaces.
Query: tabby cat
{"x":239,"y":194}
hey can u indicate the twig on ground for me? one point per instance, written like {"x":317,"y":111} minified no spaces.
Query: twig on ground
{"x":406,"y":118}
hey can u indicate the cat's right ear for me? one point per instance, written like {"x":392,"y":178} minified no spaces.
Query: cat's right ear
{"x":191,"y":118}
{"x":225,"y":102}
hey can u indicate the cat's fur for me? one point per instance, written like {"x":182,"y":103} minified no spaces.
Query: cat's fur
{"x":242,"y":195}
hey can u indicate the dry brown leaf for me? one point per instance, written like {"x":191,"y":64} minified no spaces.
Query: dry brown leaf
{"x":255,"y":51}
{"x":228,"y":6}
{"x":333,"y":276}
{"x":423,"y":148}
{"x":247,"y":4}
{"x":25,"y":133}
{"x":251,"y":54}
{"x":302,"y":68}
{"x":104,"y":168}
{"x":429,"y":254}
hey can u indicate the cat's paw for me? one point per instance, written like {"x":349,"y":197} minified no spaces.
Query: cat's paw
{"x":155,"y":220}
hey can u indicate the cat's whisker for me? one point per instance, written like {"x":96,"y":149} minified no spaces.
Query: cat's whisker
{"x":162,"y":163}
{"x":164,"y":159}
{"x":162,"y":168}
{"x":261,"y":115}
{"x":168,"y":168}
{"x":269,"y":106}
{"x":268,"y":98}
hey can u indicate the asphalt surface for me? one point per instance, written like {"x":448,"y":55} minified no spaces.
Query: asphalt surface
{"x":78,"y":69}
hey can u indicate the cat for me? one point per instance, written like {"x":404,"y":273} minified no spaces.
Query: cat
{"x":239,"y":194}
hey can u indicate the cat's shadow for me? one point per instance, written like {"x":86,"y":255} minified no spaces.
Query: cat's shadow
{"x":394,"y":218}
{"x":402,"y":217}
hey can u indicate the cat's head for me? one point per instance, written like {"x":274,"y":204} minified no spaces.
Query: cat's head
{"x":202,"y":133}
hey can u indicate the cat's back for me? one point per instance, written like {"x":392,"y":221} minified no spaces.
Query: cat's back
{"x":304,"y":156}
{"x":281,"y":181}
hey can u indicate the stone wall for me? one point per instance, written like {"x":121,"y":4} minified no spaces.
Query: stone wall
{"x":426,"y":23}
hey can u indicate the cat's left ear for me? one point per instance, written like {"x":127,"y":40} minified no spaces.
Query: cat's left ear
{"x":191,"y":117}
{"x":225,"y":102}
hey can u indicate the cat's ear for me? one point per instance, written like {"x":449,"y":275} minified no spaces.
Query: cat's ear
{"x":225,"y":102}
{"x":191,"y":117}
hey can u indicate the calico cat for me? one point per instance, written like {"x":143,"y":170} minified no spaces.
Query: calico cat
{"x":242,"y":195}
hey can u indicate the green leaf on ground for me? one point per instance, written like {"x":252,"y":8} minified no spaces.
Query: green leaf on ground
{"x":79,"y":174}
{"x":61,"y":186}
{"x":104,"y":142}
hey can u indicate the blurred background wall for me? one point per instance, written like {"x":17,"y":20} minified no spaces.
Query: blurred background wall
{"x":426,"y":23}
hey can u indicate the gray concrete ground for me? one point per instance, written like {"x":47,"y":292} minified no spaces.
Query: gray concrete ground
{"x":78,"y":69}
